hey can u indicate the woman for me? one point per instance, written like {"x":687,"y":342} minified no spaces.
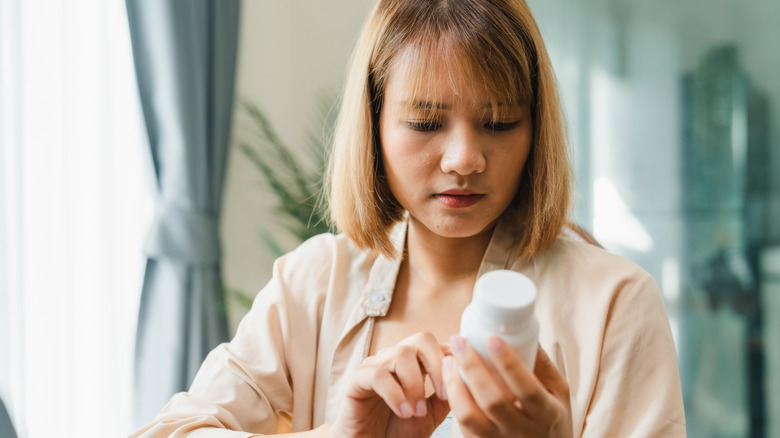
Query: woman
{"x":449,"y":160}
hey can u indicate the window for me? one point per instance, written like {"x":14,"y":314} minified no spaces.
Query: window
{"x":75,"y":199}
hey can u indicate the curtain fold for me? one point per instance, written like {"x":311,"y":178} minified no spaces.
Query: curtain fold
{"x":6,"y":426}
{"x":185,"y":60}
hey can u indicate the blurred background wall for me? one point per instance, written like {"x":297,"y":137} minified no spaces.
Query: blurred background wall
{"x":292,"y":56}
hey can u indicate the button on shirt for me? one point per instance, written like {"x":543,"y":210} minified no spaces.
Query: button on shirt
{"x":602,"y":322}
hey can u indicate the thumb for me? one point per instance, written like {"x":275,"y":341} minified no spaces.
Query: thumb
{"x":548,"y":375}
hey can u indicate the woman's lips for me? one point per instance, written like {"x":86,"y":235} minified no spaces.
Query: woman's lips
{"x":454,"y":199}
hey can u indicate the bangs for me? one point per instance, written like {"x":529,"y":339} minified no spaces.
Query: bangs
{"x":485,"y":46}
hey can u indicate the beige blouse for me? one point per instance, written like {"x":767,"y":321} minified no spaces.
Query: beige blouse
{"x":602,"y":322}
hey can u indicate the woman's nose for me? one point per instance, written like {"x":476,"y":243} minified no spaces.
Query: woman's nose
{"x":463,"y":153}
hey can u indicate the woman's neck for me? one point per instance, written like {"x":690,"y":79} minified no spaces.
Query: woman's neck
{"x":441,"y":261}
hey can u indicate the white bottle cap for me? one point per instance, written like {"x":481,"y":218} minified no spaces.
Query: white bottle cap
{"x":504,"y":299}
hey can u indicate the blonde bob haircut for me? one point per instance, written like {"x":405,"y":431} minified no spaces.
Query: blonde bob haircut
{"x":495,"y":43}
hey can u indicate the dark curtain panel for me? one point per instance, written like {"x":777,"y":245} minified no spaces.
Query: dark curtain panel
{"x":6,"y":427}
{"x":185,"y":59}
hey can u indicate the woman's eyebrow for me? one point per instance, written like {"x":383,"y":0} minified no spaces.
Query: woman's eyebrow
{"x":424,"y":105}
{"x":510,"y":105}
{"x":413,"y":105}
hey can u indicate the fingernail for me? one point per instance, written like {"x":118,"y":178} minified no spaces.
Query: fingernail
{"x":443,"y":392}
{"x":496,"y":345}
{"x":458,"y":344}
{"x":406,"y":410}
{"x":447,"y":364}
{"x":422,"y":408}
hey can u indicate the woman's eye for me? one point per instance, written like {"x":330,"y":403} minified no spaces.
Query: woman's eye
{"x":424,"y":125}
{"x":501,"y":126}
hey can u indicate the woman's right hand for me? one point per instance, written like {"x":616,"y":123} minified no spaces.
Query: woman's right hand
{"x":385,"y":395}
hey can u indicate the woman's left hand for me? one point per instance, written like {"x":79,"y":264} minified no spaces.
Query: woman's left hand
{"x":510,"y":401}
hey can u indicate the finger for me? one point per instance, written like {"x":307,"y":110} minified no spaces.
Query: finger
{"x":430,"y":355}
{"x":533,"y":397}
{"x":462,"y":404}
{"x":550,"y":377}
{"x":486,"y":390}
{"x":370,"y":381}
{"x":410,"y":375}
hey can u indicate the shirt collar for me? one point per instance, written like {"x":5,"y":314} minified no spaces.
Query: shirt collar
{"x":500,"y":251}
{"x":378,"y":294}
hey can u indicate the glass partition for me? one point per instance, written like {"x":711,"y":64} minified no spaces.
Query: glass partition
{"x":673,"y":108}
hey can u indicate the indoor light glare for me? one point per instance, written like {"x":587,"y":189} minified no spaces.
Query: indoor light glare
{"x":613,"y":222}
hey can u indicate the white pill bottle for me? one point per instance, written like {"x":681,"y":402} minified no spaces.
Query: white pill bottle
{"x":503,"y":305}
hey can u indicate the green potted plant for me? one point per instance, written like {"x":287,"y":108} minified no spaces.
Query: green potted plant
{"x":295,"y":182}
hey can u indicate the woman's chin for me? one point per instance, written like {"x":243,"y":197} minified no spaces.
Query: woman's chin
{"x":458,"y":227}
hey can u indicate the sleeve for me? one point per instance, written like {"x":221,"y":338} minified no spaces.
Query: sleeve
{"x":637,"y":392}
{"x":243,"y":387}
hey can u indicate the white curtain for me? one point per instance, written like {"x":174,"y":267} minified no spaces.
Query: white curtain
{"x":74,"y":205}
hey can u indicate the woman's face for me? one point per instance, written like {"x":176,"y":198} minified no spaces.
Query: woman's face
{"x":447,"y":162}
